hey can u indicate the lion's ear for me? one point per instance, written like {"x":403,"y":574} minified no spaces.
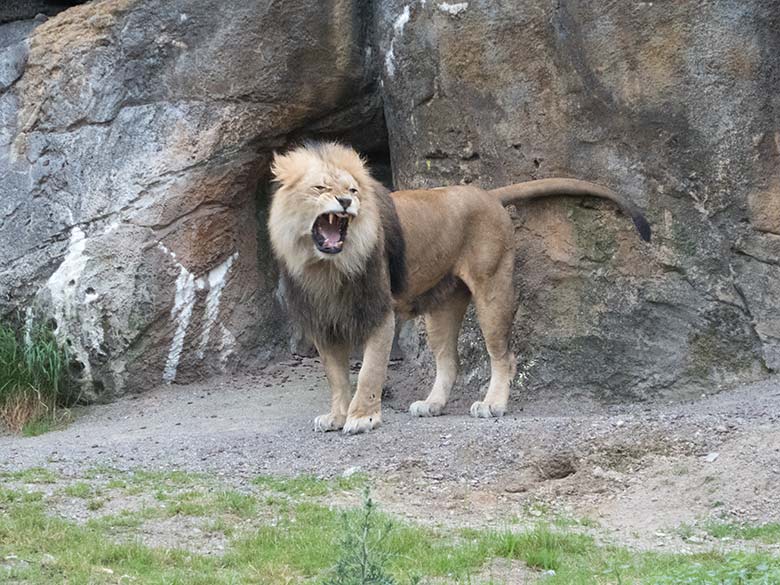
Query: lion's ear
{"x":286,"y":170}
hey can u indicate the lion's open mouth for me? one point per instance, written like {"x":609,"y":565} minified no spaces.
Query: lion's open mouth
{"x":329,"y":232}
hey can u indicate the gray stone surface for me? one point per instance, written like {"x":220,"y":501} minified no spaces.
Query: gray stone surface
{"x":135,"y":137}
{"x":132,"y":149}
{"x":674,"y":105}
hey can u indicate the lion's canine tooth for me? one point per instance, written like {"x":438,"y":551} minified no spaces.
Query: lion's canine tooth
{"x":330,"y":218}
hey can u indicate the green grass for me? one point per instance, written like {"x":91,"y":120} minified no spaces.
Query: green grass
{"x":80,"y":489}
{"x":31,"y":475}
{"x":287,"y":538}
{"x":236,"y":503}
{"x":95,"y":504}
{"x":310,"y":486}
{"x":34,"y":380}
{"x":38,"y":426}
{"x":768,"y":533}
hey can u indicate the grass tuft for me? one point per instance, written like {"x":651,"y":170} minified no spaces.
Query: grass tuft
{"x":80,"y":489}
{"x":34,"y":380}
{"x":768,"y":533}
{"x":363,"y":557}
{"x":310,"y":486}
{"x":236,"y":503}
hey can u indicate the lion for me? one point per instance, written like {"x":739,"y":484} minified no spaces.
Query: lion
{"x":352,"y":255}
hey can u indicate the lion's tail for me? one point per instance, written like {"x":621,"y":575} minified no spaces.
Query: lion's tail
{"x":550,"y":187}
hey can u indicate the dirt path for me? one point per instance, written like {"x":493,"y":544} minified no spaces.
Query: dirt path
{"x":636,"y":471}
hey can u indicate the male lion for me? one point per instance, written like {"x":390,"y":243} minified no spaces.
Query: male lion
{"x":350,"y":253}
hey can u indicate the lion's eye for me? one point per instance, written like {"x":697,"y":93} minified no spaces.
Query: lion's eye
{"x":319,"y":188}
{"x":353,"y":191}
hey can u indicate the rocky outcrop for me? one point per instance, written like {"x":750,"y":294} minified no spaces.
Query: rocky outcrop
{"x":134,"y":145}
{"x":136,"y":137}
{"x":674,"y":105}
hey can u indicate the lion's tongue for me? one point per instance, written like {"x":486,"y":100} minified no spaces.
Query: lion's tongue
{"x":331,"y":232}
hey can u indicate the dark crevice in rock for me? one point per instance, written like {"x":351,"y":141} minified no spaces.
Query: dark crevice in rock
{"x":759,"y":342}
{"x":765,"y":230}
{"x":769,"y":261}
{"x":204,"y":208}
{"x":75,"y":126}
{"x":13,"y":10}
{"x":11,"y":85}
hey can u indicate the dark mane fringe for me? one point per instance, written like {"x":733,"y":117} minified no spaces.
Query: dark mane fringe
{"x":347,"y":315}
{"x":395,"y":246}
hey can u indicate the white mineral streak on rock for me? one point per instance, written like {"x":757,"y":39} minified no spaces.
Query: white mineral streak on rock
{"x":216,"y":281}
{"x":63,"y":287}
{"x":184,"y":303}
{"x":401,"y":21}
{"x":227,"y":345}
{"x":454,"y":9}
{"x":181,"y":312}
{"x":398,"y":29}
{"x":28,"y":325}
{"x":112,"y":227}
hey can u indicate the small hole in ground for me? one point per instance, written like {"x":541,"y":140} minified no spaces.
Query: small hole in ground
{"x":557,"y":467}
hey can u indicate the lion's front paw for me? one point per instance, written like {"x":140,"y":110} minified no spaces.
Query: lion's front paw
{"x":329,"y":422}
{"x":360,"y":424}
{"x":484,"y":410}
{"x":423,"y":408}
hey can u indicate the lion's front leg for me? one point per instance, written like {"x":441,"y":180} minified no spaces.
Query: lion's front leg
{"x":365,"y":410}
{"x":335,"y":359}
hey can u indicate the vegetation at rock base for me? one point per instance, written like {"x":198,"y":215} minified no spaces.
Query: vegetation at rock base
{"x":34,"y":379}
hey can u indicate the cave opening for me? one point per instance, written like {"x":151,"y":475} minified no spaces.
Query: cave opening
{"x":275,"y":334}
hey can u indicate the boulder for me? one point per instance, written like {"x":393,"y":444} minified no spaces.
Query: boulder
{"x":673,"y":105}
{"x":135,"y":147}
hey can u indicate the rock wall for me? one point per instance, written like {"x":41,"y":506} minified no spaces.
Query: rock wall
{"x":136,"y":136}
{"x":674,"y":105}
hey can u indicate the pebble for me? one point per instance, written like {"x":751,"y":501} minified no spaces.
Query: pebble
{"x":350,"y":471}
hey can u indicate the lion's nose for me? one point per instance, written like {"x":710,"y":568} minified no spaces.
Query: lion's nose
{"x":345,"y":202}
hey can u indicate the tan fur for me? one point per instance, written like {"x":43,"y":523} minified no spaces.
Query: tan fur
{"x":461,"y":232}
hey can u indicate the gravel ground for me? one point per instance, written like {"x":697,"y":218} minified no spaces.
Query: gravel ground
{"x":637,"y":470}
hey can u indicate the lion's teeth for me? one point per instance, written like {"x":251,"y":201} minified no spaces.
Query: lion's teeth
{"x":330,"y":218}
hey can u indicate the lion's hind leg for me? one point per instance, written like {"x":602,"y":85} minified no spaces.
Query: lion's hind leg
{"x":494,"y":300}
{"x":443,"y":324}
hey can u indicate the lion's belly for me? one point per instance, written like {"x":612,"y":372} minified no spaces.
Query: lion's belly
{"x":410,"y":306}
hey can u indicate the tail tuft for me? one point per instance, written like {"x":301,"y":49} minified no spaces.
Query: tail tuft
{"x":642,"y":226}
